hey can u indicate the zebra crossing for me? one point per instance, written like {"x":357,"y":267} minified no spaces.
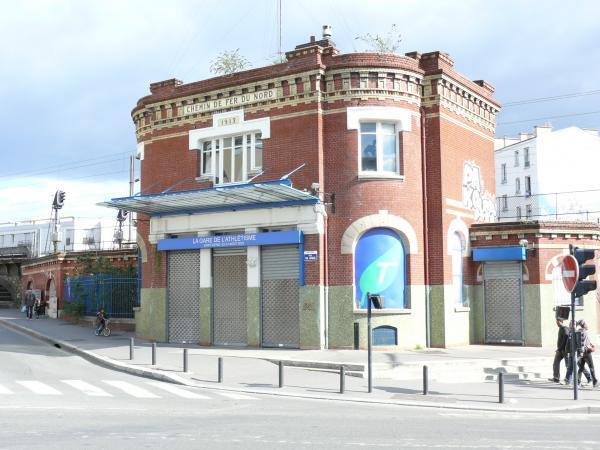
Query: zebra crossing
{"x":114,"y":388}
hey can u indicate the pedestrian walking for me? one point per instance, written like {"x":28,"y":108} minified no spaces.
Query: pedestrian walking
{"x":561,"y":350}
{"x":586,"y":355}
{"x":29,"y":303}
{"x":569,"y":349}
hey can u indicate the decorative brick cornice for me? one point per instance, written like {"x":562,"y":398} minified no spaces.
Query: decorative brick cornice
{"x":422,"y":80}
{"x":551,"y":230}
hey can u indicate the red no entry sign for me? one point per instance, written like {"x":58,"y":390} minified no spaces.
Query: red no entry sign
{"x":570,"y":272}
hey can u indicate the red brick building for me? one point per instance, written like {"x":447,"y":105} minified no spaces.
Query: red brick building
{"x":517,"y":280}
{"x":274,"y":199}
{"x":46,"y":275}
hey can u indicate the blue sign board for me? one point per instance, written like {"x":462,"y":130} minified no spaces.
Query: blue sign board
{"x":380,"y":268}
{"x":310,"y":255}
{"x":232,"y":240}
{"x":514,"y":253}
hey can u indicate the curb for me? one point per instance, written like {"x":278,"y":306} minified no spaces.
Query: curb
{"x":109,"y":363}
{"x":94,"y":358}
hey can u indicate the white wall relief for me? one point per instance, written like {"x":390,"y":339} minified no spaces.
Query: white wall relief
{"x":474,"y":196}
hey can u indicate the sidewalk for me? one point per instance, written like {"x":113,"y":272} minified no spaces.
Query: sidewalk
{"x":474,"y":370}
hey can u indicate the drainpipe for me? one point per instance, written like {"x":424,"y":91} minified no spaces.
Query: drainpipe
{"x":425,"y":232}
{"x":326,"y":275}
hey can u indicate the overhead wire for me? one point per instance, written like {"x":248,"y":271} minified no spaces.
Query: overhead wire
{"x":549,"y":99}
{"x":538,"y":119}
{"x":62,"y":166}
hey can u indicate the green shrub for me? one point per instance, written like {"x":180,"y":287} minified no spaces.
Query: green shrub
{"x":74,"y":309}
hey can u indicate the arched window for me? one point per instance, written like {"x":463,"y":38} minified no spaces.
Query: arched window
{"x":380,"y":268}
{"x":457,"y":253}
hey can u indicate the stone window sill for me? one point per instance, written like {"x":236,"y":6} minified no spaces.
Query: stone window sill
{"x":380,"y":176}
{"x":383,"y":312}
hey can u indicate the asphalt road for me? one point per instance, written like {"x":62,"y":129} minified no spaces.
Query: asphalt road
{"x":50,"y":399}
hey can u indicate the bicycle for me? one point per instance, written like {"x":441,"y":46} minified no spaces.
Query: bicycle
{"x":103,"y":330}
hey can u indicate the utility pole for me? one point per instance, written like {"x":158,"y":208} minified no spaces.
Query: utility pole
{"x":279,"y":23}
{"x":59,"y":201}
{"x":131,"y":184}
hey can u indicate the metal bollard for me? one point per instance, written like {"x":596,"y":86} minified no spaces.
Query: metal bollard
{"x":280,"y":374}
{"x":185,"y":359}
{"x":342,"y":379}
{"x":500,"y":387}
{"x":220,"y":370}
{"x":154,"y":353}
{"x":425,"y":381}
{"x":131,"y":342}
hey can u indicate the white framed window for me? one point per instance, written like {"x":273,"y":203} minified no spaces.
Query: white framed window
{"x":526,"y":162}
{"x":528,"y":186}
{"x":457,"y":253}
{"x":517,"y":185}
{"x":378,"y":146}
{"x":232,"y":159}
{"x":528,"y":212}
{"x":516,"y":158}
{"x":504,"y":202}
{"x":518,"y":213}
{"x":503,"y":173}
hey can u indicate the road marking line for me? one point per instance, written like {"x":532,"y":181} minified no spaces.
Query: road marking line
{"x":130,"y":389}
{"x":39,"y":388}
{"x":236,"y":396}
{"x":5,"y":390}
{"x":177,"y":390}
{"x":87,"y":388}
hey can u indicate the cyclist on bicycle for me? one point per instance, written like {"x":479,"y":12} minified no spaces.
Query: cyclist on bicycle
{"x":101,"y":318}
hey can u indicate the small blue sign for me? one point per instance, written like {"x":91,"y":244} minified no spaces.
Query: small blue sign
{"x":232,"y":240}
{"x":310,"y":255}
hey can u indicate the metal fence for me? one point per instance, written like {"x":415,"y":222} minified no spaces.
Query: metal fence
{"x":581,"y":206}
{"x":116,"y":293}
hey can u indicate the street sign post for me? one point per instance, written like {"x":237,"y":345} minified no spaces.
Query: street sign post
{"x":570,"y":272}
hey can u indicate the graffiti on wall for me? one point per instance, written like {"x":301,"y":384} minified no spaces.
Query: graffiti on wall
{"x":474,"y":196}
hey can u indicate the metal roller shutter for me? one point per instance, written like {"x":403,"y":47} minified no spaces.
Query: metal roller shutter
{"x":230,"y":283}
{"x":503,"y":302}
{"x":184,"y":296}
{"x":280,"y":310}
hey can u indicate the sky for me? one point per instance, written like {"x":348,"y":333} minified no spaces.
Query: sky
{"x":71,"y":71}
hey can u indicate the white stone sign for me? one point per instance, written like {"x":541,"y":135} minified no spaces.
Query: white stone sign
{"x":230,"y":102}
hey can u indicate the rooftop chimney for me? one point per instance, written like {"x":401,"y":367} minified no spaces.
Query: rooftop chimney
{"x":524,"y":136}
{"x":326,"y":31}
{"x":542,"y":129}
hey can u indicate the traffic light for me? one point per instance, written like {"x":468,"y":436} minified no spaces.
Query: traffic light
{"x":582,"y":255}
{"x":59,"y":200}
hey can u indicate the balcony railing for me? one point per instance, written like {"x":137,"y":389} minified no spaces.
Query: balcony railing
{"x":581,"y":206}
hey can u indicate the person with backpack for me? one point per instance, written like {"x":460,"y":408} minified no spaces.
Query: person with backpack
{"x":586,"y":355}
{"x":570,"y":356}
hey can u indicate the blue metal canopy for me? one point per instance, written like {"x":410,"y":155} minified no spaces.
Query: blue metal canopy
{"x":267,"y":194}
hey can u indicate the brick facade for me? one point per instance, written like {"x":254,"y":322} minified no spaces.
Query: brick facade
{"x":450,"y":123}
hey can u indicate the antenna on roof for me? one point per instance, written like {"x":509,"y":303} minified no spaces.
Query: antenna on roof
{"x":285,"y":177}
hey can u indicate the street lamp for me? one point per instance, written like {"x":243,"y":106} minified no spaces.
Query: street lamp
{"x":377,"y":302}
